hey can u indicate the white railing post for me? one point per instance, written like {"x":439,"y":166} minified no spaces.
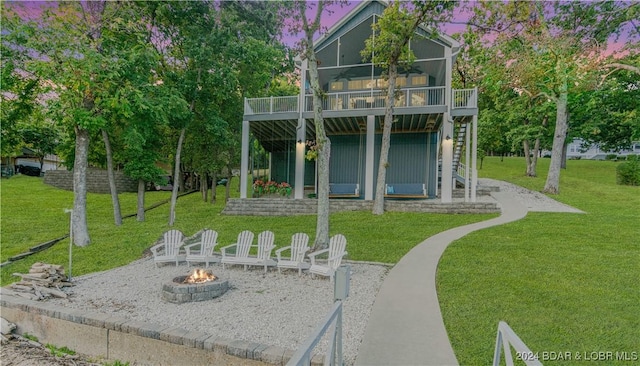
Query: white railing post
{"x":270,"y":105}
{"x":506,"y":338}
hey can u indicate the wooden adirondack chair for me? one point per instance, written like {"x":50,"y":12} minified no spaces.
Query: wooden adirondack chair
{"x":169,"y":249}
{"x":202,"y":251}
{"x":298,"y":248}
{"x":242,"y":246}
{"x":336,"y":251}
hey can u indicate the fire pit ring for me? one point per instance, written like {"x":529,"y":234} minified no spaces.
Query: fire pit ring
{"x":179,"y":292}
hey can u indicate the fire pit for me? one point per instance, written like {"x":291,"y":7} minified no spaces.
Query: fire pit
{"x":200,"y":285}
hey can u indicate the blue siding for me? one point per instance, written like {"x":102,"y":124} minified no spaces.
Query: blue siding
{"x":347,"y":160}
{"x":412,"y":159}
{"x":407,"y":158}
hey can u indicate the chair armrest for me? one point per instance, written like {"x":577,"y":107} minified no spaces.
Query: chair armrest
{"x":224,"y":249}
{"x":154,"y":249}
{"x":338,"y":256}
{"x":279,"y":251}
{"x":313,"y":255}
{"x":187,"y":248}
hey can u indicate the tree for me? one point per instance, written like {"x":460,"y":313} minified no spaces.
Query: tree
{"x":608,"y":115}
{"x":388,"y":47}
{"x":213,"y":54}
{"x":551,"y":50}
{"x":309,"y":28}
{"x":41,"y":137}
{"x":19,"y":88}
{"x":65,"y":46}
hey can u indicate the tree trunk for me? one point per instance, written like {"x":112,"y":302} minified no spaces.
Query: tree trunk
{"x":214,"y":187}
{"x":527,"y":157}
{"x":176,"y":180}
{"x":552,"y":184}
{"x":204,"y":187}
{"x":378,"y":203}
{"x":563,"y":164}
{"x":80,"y":229}
{"x":227,"y":191}
{"x":324,"y":155}
{"x":534,"y":158}
{"x":117,"y":214}
{"x":140,"y":207}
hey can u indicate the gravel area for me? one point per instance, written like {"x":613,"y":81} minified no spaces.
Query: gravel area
{"x":534,"y":201}
{"x":277,"y":309}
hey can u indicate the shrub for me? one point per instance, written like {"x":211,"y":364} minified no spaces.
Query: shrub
{"x":628,"y":173}
{"x":611,"y":157}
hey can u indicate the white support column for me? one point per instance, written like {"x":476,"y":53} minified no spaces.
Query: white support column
{"x":300,"y":157}
{"x":370,"y":161}
{"x":244,"y":159}
{"x":301,"y":136}
{"x":446,"y":182}
{"x":446,"y":189}
{"x":474,"y":158}
{"x":467,"y":151}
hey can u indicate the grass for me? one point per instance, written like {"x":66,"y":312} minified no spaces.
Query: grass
{"x":33,"y":212}
{"x":563,"y":282}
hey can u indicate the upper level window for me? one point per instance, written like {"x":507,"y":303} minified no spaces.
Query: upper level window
{"x":419,"y":80}
{"x":337,"y":85}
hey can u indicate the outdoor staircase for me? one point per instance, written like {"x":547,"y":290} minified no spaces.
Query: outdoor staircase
{"x":457,"y":154}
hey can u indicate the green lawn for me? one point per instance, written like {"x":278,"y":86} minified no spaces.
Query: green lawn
{"x":33,"y":212}
{"x":563,"y":282}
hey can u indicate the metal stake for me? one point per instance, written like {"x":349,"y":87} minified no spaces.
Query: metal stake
{"x":66,"y":210}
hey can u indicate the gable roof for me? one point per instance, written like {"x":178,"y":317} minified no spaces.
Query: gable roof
{"x":364,"y":10}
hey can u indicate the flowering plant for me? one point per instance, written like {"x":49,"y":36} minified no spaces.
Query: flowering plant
{"x":260,"y":188}
{"x":285,"y":189}
{"x":271,"y":187}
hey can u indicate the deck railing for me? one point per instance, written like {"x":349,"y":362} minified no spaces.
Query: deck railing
{"x":270,"y":105}
{"x":407,"y":97}
{"x":465,"y":98}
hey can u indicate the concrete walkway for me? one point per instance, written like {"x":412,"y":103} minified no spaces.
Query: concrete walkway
{"x":406,"y":326}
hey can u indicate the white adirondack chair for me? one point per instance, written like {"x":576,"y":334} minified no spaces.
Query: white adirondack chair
{"x":263,"y":256}
{"x":336,"y":251}
{"x":242,"y":246}
{"x":202,"y":251}
{"x":169,"y":249}
{"x":298,"y":248}
{"x":242,"y":256}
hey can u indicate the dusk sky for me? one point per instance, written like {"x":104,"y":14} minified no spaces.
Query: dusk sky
{"x":336,"y":13}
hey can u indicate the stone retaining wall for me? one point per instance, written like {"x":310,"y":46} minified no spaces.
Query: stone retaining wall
{"x":97,"y":181}
{"x":117,"y":338}
{"x":289,"y":207}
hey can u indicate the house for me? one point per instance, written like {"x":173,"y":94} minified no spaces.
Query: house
{"x":422,"y":140}
{"x":577,"y":149}
{"x":28,"y":162}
